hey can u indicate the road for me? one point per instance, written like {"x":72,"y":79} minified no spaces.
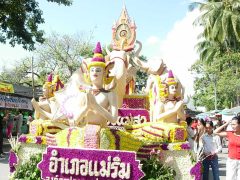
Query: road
{"x":222,"y":157}
{"x":4,"y":169}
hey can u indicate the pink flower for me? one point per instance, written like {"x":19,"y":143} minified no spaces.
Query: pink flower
{"x":152,"y":152}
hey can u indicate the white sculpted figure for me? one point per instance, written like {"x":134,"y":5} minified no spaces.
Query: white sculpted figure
{"x":170,"y":105}
{"x":82,"y":102}
{"x":47,"y":105}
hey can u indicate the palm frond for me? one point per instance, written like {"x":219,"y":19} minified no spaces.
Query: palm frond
{"x":194,"y":5}
{"x":235,"y":25}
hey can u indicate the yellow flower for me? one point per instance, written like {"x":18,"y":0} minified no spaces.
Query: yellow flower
{"x":29,"y":139}
{"x":177,"y":147}
{"x":44,"y":140}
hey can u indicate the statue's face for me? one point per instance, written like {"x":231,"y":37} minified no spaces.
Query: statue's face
{"x":46,"y":92}
{"x":172,"y":89}
{"x":96,"y":73}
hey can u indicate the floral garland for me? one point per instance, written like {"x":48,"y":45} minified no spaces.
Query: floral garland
{"x":13,"y":161}
{"x":196,"y":170}
{"x":33,"y":139}
{"x":136,"y":101}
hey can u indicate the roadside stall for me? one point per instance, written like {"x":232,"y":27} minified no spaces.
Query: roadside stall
{"x":14,"y":98}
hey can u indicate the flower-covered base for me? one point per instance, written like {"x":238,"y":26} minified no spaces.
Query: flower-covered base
{"x":28,"y":149}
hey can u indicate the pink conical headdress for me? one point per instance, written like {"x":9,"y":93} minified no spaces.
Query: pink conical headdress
{"x":171,"y":80}
{"x":50,"y":77}
{"x":98,"y":59}
{"x":98,"y":56}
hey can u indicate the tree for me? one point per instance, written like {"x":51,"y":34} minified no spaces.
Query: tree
{"x":19,"y":22}
{"x":219,"y":49}
{"x":141,"y":77}
{"x":225,"y":73}
{"x":63,"y":53}
{"x":58,"y":54}
{"x":208,"y":50}
{"x":221,"y":21}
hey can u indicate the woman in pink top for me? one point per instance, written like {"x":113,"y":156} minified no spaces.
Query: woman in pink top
{"x":233,"y":162}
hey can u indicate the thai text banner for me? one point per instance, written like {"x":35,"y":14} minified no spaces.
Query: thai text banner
{"x":76,"y":164}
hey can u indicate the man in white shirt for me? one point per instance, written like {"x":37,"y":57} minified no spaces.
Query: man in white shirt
{"x":211,"y":147}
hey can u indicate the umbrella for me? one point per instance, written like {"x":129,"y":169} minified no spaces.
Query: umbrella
{"x":227,"y":112}
{"x":236,"y":110}
{"x":204,"y":115}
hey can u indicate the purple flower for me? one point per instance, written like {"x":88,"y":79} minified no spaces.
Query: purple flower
{"x":38,"y":140}
{"x":196,"y":170}
{"x":164,"y":146}
{"x":13,"y":160}
{"x":22,"y":138}
{"x":185,"y":146}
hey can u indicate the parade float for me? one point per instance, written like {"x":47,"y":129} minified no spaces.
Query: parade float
{"x":95,"y":127}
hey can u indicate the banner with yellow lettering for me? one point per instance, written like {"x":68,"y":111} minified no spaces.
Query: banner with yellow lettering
{"x":6,"y":88}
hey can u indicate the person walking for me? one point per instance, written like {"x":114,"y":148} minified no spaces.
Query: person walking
{"x":192,"y":134}
{"x":200,"y":132}
{"x":211,"y":147}
{"x":19,"y":122}
{"x":1,"y":136}
{"x":9,"y":120}
{"x":233,"y":161}
{"x":29,"y":120}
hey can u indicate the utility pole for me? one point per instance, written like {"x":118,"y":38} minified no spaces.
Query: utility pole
{"x":33,"y":86}
{"x":215,"y":93}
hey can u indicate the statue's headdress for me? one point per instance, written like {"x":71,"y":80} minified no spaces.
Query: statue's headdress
{"x":57,"y":83}
{"x":98,"y":59}
{"x":171,"y":80}
{"x":48,"y":85}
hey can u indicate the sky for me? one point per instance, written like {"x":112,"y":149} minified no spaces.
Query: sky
{"x":164,"y":28}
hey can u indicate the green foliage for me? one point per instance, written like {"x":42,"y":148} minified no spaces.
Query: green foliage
{"x":220,"y":20}
{"x":225,"y":73}
{"x":141,"y":77}
{"x":29,"y":170}
{"x":19,"y":22}
{"x":64,"y":2}
{"x":154,"y":169}
{"x":219,"y":49}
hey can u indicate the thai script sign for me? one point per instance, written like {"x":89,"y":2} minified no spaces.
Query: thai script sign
{"x":15,"y":102}
{"x":131,"y":116}
{"x":75,"y":164}
{"x":6,"y":88}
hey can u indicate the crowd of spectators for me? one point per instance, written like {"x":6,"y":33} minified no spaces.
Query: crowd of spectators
{"x":207,"y":139}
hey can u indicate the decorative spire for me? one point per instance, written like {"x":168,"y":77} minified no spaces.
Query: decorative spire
{"x":124,"y":18}
{"x":124,"y":32}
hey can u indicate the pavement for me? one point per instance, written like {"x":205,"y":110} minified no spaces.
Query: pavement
{"x":4,"y":168}
{"x":222,"y":158}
